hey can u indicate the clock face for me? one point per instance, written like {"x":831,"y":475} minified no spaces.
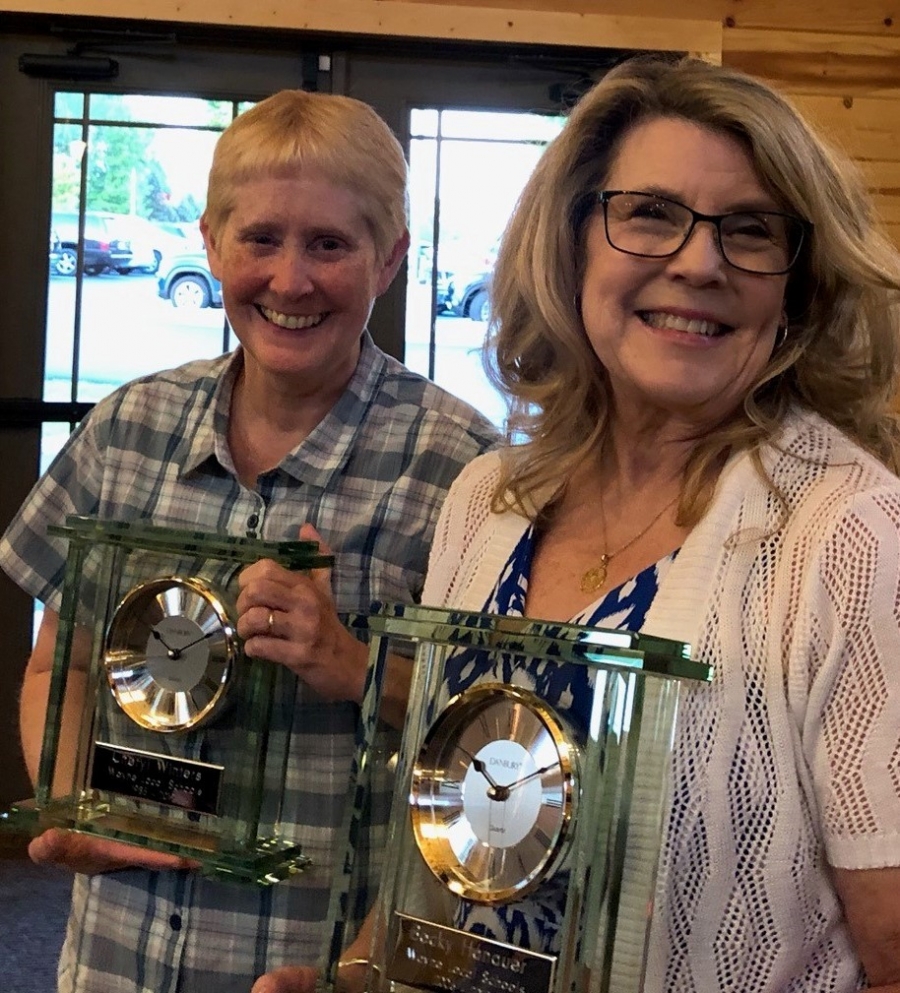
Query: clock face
{"x":169,"y":653}
{"x":493,"y":793}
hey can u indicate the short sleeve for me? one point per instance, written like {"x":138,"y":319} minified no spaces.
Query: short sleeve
{"x":851,"y":727}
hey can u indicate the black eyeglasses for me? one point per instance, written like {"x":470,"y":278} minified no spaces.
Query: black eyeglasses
{"x":765,"y":242}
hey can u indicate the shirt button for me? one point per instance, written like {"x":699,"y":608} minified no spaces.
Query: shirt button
{"x":175,"y":921}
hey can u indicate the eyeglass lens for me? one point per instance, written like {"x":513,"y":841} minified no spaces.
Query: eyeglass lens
{"x":759,"y":241}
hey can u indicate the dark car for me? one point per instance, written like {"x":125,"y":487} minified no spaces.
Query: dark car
{"x":186,"y":280}
{"x":103,"y":248}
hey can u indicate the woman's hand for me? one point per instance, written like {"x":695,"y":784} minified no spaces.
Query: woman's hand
{"x":302,"y":979}
{"x":90,"y":854}
{"x":289,"y":979}
{"x":289,"y":617}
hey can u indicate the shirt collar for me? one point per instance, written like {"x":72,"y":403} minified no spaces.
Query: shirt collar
{"x":326,"y":449}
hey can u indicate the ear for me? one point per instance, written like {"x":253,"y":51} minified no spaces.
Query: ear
{"x":392,"y":263}
{"x":212,"y":251}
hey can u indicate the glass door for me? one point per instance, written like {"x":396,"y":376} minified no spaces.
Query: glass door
{"x":467,"y":170}
{"x":474,"y":130}
{"x":129,"y":286}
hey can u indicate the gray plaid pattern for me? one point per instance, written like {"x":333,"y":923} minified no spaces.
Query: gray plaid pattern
{"x":371,"y":477}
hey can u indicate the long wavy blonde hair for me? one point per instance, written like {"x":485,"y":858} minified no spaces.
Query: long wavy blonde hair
{"x":840,"y":357}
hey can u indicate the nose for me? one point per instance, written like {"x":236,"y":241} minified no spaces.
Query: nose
{"x":292,"y":273}
{"x":700,"y":258}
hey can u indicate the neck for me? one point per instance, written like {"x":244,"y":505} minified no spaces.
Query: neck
{"x":269,"y":419}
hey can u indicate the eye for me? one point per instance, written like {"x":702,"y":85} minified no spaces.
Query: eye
{"x":753,"y":227}
{"x":259,"y":237}
{"x":649,"y":210}
{"x":329,"y":244}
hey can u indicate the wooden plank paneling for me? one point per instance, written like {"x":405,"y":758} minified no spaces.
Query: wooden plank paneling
{"x":864,"y":128}
{"x":882,"y":177}
{"x":859,"y":17}
{"x":888,"y":210}
{"x":816,"y":62}
{"x":400,"y":18}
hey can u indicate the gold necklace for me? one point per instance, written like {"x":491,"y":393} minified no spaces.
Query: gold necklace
{"x":592,"y":579}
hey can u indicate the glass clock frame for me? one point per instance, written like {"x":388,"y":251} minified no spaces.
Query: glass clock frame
{"x":181,"y":744}
{"x":598,"y":854}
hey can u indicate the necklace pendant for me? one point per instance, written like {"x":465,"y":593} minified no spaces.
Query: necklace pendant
{"x":595,"y":577}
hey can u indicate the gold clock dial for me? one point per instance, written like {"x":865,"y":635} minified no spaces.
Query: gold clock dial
{"x":493,"y":793}
{"x":169,"y":653}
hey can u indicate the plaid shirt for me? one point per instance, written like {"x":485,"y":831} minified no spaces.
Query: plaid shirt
{"x":371,"y":477}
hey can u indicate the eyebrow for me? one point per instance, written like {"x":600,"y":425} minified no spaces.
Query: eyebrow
{"x":258,"y":227}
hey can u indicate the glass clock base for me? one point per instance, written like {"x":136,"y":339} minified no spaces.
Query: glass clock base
{"x":267,"y":861}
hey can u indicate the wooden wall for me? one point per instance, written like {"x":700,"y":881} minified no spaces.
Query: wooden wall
{"x":840,"y":61}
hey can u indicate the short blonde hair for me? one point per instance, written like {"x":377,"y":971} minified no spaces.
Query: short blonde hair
{"x":840,"y":357}
{"x":295,"y":130}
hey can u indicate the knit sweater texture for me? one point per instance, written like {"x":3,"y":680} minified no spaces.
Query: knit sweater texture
{"x":789,"y":761}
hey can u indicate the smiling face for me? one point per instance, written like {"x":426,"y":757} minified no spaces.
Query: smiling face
{"x":299,"y":273}
{"x":685,"y":336}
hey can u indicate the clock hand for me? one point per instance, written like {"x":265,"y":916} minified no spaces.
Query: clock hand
{"x":172,"y":652}
{"x":516,"y":783}
{"x":175,"y":653}
{"x":196,"y":641}
{"x":482,"y":768}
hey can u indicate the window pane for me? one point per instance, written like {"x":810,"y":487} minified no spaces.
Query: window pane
{"x":495,"y":126}
{"x":423,"y":123}
{"x":130,"y":290}
{"x":455,"y":234}
{"x":68,"y":105}
{"x":152,"y":109}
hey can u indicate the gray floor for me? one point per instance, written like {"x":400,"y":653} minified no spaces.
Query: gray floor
{"x":34,"y":901}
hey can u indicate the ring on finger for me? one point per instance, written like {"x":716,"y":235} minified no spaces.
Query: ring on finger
{"x":270,"y":626}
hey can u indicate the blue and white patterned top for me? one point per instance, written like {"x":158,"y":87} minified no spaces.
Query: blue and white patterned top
{"x":534,"y":922}
{"x":562,"y":686}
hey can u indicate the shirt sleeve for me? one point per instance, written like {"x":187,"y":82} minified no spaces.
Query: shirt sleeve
{"x":851,"y":724}
{"x":31,"y":557}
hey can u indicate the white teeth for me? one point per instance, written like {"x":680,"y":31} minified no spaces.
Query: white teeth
{"x":660,"y":319}
{"x":290,"y":321}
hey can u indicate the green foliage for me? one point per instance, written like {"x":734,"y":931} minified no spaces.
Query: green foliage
{"x":114,"y":153}
{"x":123,"y":176}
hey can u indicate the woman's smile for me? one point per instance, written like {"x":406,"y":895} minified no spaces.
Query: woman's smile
{"x":291,"y":322}
{"x":706,"y":327}
{"x":687,"y":334}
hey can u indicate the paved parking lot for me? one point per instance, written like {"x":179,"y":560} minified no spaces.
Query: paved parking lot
{"x":127,"y":330}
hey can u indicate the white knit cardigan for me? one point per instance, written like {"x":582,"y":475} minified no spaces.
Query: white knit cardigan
{"x":790,"y":759}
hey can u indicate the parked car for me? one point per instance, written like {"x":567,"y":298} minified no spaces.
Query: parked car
{"x":474,"y":299}
{"x":149,"y":242}
{"x":186,"y":280}
{"x":470,"y":289}
{"x":189,"y":230}
{"x":103,"y":247}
